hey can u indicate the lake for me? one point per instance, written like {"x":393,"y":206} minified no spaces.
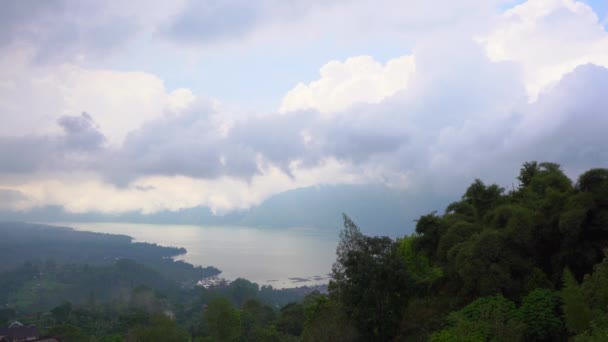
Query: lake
{"x":281,"y":258}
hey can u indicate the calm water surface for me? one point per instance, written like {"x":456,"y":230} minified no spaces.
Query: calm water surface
{"x":267,"y":257}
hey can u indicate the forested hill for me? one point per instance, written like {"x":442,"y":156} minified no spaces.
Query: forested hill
{"x":22,"y":242}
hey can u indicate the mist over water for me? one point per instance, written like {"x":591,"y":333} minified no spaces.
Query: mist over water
{"x":267,"y":257}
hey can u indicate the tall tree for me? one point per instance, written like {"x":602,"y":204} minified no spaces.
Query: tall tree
{"x":577,"y":314}
{"x":371,"y":283}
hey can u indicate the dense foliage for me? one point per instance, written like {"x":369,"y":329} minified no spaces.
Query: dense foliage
{"x":525,"y":265}
{"x":75,"y":286}
{"x":60,"y":246}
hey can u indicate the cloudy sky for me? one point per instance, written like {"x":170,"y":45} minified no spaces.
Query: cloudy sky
{"x":148,"y":105}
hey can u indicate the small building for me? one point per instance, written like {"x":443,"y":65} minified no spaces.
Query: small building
{"x":17,"y":332}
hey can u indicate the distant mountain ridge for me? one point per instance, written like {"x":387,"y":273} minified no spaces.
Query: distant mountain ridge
{"x":376,"y":208}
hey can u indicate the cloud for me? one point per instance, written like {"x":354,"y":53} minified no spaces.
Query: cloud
{"x":76,"y":148}
{"x":562,"y":126}
{"x":452,"y":110}
{"x":81,"y":133}
{"x":566,"y":123}
{"x":210,"y":21}
{"x":60,"y":29}
{"x":203,"y":23}
{"x":448,"y":127}
{"x":33,"y":97}
{"x":357,"y":80}
{"x":292,"y":23}
{"x":12,"y":199}
{"x":548,"y":38}
{"x":85,"y":191}
{"x":192,"y":143}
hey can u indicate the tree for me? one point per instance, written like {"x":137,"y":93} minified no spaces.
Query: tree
{"x":481,"y":197}
{"x":586,"y":305}
{"x":540,"y":311}
{"x":161,"y":328}
{"x":418,"y":265}
{"x":223,"y":320}
{"x":423,"y":316}
{"x":595,"y":287}
{"x":61,"y":313}
{"x":327,"y":322}
{"x":492,"y":318}
{"x":550,"y":177}
{"x":68,"y":333}
{"x":291,"y":319}
{"x":255,"y":317}
{"x":487,"y":264}
{"x":594,"y":180}
{"x":577,"y":313}
{"x":371,"y":282}
{"x":349,"y":237}
{"x":242,"y":290}
{"x":429,"y":228}
{"x":527,"y":173}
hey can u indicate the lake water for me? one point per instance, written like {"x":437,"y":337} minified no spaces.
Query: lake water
{"x":267,"y":257}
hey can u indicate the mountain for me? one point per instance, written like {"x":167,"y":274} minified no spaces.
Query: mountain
{"x":375,"y":208}
{"x":196,"y":215}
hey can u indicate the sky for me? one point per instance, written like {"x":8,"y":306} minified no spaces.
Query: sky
{"x":160,"y":105}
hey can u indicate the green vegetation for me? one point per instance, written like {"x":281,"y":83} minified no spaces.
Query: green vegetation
{"x":524,"y":265}
{"x":53,"y":246}
{"x":81,"y":286}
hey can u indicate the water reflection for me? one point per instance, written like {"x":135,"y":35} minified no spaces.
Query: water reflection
{"x":281,"y":258}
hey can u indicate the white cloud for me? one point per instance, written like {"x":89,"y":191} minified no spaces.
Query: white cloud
{"x":180,"y":99}
{"x":359,"y":79}
{"x":84,"y":192}
{"x":434,"y":120}
{"x":33,"y":97}
{"x":449,"y":127}
{"x":548,"y":38}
